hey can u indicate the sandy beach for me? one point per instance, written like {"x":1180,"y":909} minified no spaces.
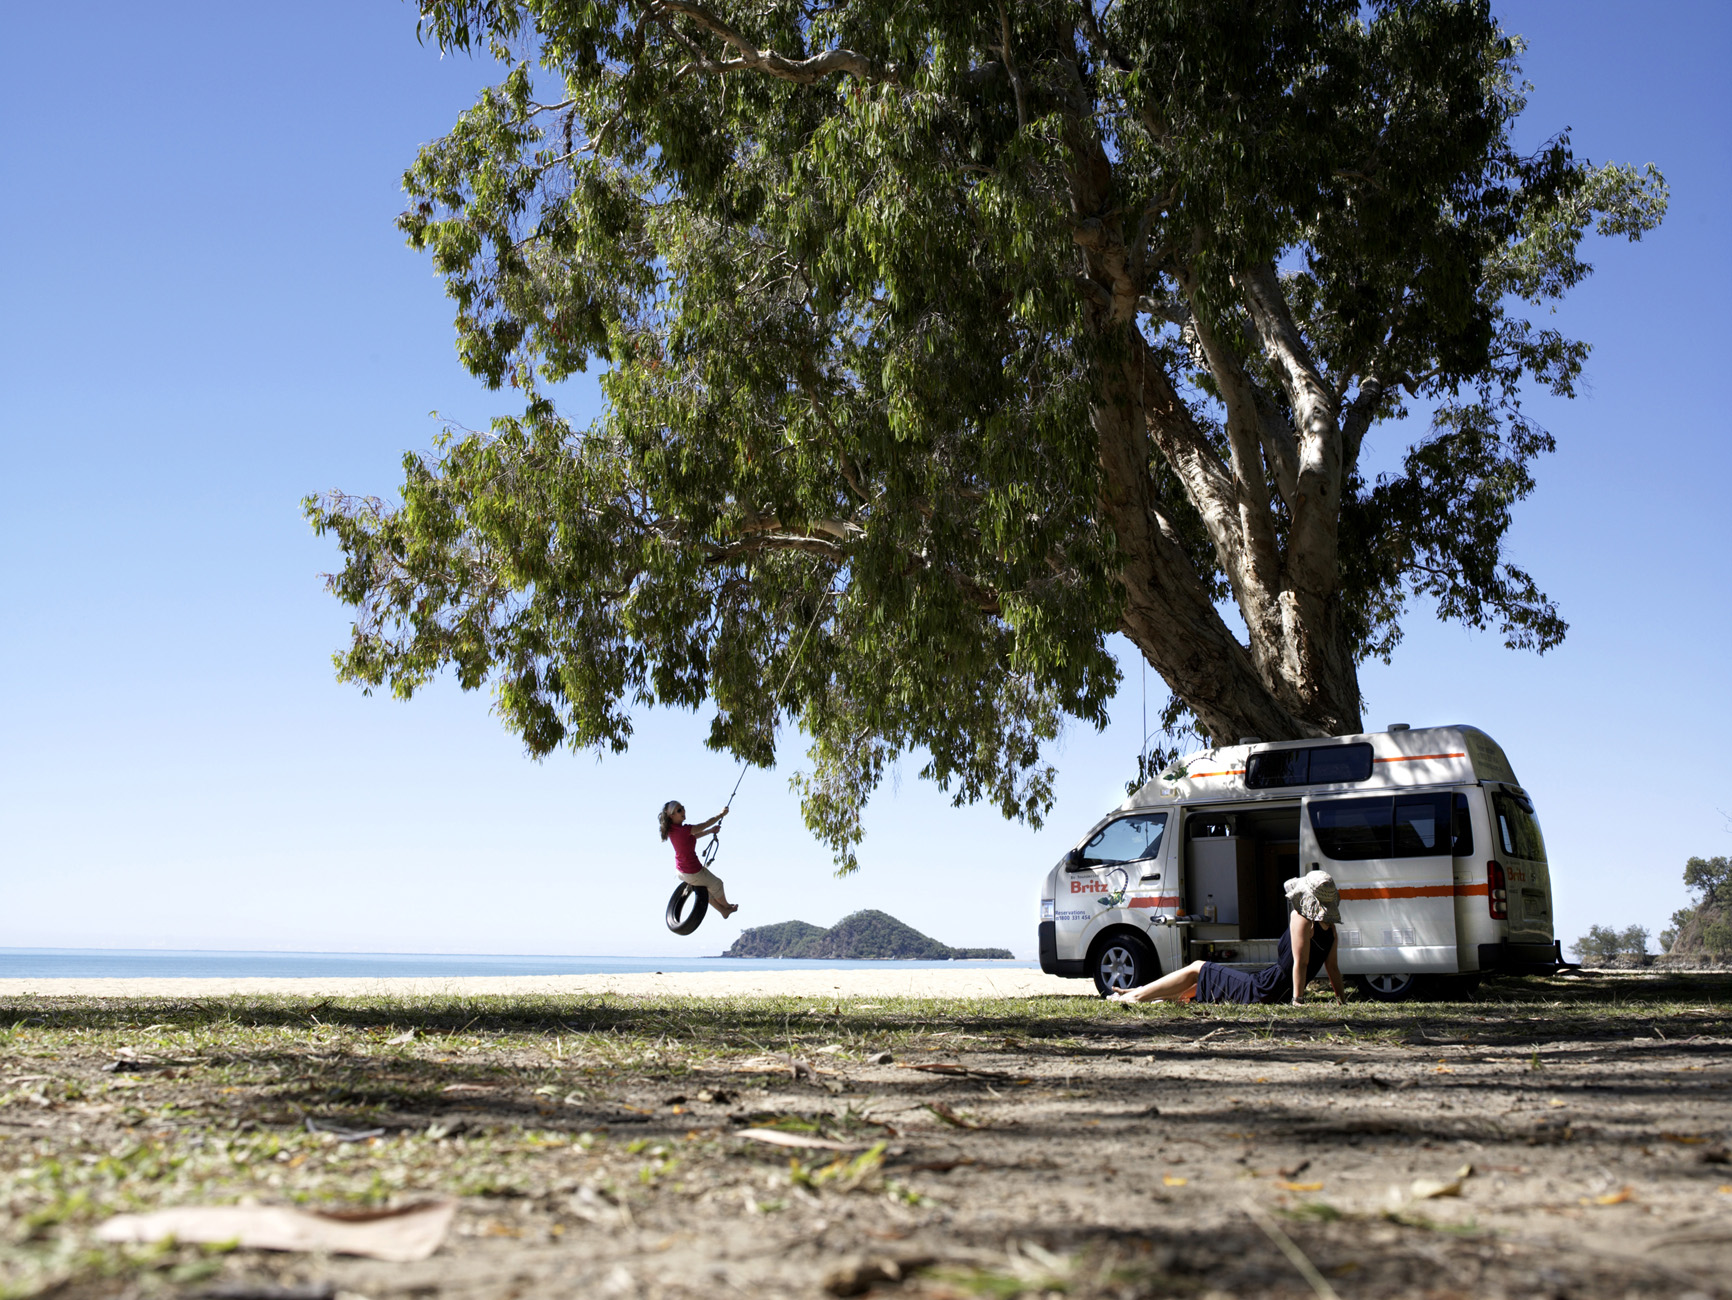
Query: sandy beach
{"x":816,"y":983}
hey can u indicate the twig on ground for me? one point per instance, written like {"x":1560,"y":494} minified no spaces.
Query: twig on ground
{"x":1295,"y":1256}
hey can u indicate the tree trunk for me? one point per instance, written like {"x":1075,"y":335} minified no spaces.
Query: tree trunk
{"x":1295,"y":678}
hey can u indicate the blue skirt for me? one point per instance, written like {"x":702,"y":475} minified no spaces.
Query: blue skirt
{"x":1218,"y":983}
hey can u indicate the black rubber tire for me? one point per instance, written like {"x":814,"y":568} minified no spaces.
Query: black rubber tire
{"x":685,"y":925}
{"x":1122,"y":961}
{"x":1400,"y":987}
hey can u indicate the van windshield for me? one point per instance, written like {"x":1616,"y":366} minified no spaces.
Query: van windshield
{"x":1129,"y":839}
{"x":1517,"y":828}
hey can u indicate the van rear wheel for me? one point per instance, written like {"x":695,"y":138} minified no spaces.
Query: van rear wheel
{"x":1123,"y":961}
{"x":1390,"y":988}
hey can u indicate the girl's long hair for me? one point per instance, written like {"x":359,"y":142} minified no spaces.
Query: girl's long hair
{"x":664,"y":819}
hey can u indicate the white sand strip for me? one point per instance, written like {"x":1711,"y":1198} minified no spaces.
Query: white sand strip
{"x":946,"y":984}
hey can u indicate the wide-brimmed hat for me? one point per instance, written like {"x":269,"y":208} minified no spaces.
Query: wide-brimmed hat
{"x":1315,"y":897}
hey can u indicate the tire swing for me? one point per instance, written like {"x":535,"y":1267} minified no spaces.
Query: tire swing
{"x":687,"y":924}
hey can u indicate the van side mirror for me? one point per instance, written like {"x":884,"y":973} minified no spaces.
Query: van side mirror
{"x":1074,"y":861}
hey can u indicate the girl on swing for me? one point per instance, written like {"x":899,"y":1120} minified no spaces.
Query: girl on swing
{"x":671,"y":821}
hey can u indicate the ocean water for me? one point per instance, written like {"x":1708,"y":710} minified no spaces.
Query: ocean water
{"x":150,"y":963}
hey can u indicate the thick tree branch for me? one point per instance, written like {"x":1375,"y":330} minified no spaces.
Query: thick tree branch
{"x":840,"y":530}
{"x":1356,"y":420}
{"x":1239,"y":395}
{"x":804,"y":71}
{"x":1280,"y":448}
{"x":1010,"y":67}
{"x":1300,"y":375}
{"x":1253,"y":561}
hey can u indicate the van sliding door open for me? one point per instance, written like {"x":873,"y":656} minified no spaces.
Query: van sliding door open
{"x":1392,"y":858}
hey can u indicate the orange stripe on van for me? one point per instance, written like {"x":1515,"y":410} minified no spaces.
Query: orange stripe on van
{"x":1415,"y":891}
{"x":1232,"y":771}
{"x":1416,"y":758}
{"x":1158,"y":900}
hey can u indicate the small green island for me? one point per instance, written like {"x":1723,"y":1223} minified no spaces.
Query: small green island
{"x":868,"y":935}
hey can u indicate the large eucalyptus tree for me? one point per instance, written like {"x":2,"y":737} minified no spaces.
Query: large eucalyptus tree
{"x":940,"y":340}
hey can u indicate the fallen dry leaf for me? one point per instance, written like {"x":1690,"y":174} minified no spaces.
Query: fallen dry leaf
{"x":1685,"y":1139}
{"x":470,"y":1087}
{"x":949,"y":1116}
{"x":401,"y":1235}
{"x":1299,"y":1187}
{"x":1428,"y":1188}
{"x":777,"y":1138}
{"x":858,"y":1276}
{"x":1425,"y":1189}
{"x":789,"y":1065}
{"x":1172,"y":1180}
{"x":960,"y":1071}
{"x":1612,"y":1198}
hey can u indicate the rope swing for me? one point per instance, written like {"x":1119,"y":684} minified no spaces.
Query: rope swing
{"x":678,"y":920}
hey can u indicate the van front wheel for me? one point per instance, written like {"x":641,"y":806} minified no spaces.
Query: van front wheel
{"x":1123,"y":961}
{"x":1390,"y":988}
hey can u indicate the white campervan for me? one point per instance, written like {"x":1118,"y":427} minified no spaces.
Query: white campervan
{"x":1431,"y":841}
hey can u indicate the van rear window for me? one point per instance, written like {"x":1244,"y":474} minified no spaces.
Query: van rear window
{"x":1405,"y":826}
{"x":1324,"y":765}
{"x":1517,"y":829}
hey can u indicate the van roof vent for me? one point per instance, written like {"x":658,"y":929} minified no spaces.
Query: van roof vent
{"x":1399,"y":726}
{"x":1250,"y":740}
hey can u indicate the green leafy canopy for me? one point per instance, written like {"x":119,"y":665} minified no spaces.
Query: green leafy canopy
{"x":939,"y":342}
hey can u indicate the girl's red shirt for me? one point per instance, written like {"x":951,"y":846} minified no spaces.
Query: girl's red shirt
{"x":685,"y":849}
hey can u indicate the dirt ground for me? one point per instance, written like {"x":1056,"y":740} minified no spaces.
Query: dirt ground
{"x":1549,"y":1138}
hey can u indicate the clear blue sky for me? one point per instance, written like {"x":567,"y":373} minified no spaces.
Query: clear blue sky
{"x":208,"y":314}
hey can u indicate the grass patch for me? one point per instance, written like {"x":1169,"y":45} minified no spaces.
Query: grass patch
{"x":596,"y":1105}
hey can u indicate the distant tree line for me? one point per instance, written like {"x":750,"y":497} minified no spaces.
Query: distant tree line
{"x":1704,"y":930}
{"x":1602,"y":943}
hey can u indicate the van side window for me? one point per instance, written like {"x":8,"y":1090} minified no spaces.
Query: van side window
{"x":1402,"y":826}
{"x":1421,"y":825}
{"x":1351,"y":830}
{"x":1324,"y":765}
{"x":1278,"y":767}
{"x":1461,"y":828}
{"x":1339,"y":764}
{"x":1129,"y":839}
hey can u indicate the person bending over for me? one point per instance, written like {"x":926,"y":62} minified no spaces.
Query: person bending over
{"x":671,"y":821}
{"x":1307,"y":947}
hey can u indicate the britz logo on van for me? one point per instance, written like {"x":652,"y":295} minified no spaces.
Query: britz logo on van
{"x":1089,"y":887}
